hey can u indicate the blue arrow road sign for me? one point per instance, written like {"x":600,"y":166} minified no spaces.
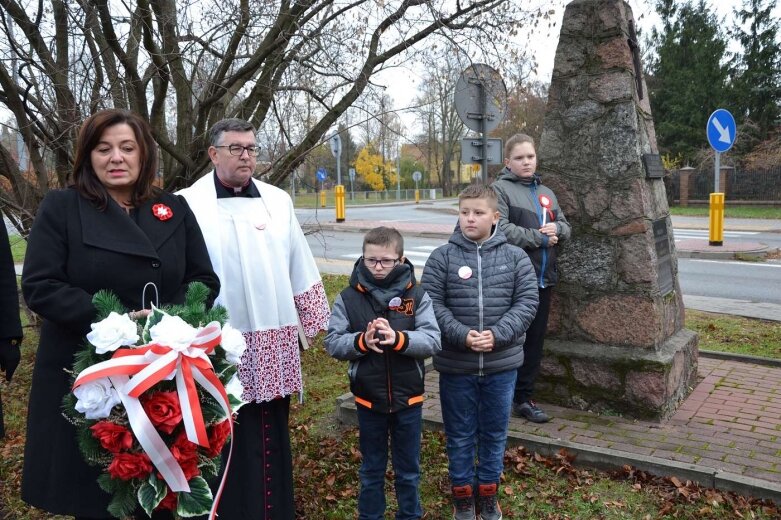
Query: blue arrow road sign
{"x":321,"y":174}
{"x":721,"y":130}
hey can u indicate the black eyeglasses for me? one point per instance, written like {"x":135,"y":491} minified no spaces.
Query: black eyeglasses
{"x":237,"y":149}
{"x":386,"y":263}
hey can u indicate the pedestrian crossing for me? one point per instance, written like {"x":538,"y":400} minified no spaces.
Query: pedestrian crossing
{"x":419,"y":254}
{"x":687,"y":234}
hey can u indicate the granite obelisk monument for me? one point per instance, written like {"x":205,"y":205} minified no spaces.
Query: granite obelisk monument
{"x":616,"y":338}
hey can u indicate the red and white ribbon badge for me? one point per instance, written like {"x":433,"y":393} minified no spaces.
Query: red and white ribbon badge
{"x":545,"y":202}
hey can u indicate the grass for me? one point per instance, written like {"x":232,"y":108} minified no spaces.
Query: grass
{"x":327,"y":459}
{"x":18,"y":247}
{"x":725,"y":333}
{"x":768,"y":212}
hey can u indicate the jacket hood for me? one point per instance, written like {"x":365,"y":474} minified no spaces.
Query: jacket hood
{"x":497,"y":238}
{"x":401,"y":278}
{"x":507,"y":175}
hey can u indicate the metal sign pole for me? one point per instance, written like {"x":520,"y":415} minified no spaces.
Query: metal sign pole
{"x":717,"y":168}
{"x":484,"y":131}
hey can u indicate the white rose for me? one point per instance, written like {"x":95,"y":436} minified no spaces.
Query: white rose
{"x":96,"y":398}
{"x":233,"y":343}
{"x":234,"y":387}
{"x":113,"y":332}
{"x":173,"y":332}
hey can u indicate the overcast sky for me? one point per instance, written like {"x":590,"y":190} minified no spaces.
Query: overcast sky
{"x":402,"y":87}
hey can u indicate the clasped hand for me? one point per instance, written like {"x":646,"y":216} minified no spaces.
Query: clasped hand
{"x":550,"y":230}
{"x":379,"y":333}
{"x":480,"y":341}
{"x":9,"y":356}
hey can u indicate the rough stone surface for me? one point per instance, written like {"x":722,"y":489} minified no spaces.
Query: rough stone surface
{"x":551,"y":367}
{"x":646,"y":388}
{"x":618,"y":319}
{"x":614,"y":54}
{"x":595,"y":374}
{"x":597,"y":127}
{"x":588,"y":262}
{"x":635,"y":260}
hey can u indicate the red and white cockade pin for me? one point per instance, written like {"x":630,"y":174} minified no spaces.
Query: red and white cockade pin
{"x":545,"y":202}
{"x":162,"y":212}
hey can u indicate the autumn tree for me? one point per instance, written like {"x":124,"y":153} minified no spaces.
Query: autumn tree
{"x":290,"y":68}
{"x":375,"y":172}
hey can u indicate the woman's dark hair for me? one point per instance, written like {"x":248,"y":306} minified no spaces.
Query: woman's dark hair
{"x":84,"y":178}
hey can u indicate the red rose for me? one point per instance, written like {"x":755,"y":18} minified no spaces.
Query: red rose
{"x":169,"y":502}
{"x":163,"y":410}
{"x":218,"y":434}
{"x":127,"y":466}
{"x":186,"y":454}
{"x":113,"y":437}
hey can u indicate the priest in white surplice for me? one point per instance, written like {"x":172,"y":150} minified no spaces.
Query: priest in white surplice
{"x":269,"y":281}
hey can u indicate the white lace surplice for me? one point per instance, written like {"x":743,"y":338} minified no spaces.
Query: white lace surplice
{"x":269,"y":281}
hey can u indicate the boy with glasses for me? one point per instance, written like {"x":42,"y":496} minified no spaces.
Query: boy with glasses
{"x":384,"y":325}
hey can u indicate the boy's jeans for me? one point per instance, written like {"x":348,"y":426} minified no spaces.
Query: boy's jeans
{"x":476,"y":413}
{"x":404,"y":428}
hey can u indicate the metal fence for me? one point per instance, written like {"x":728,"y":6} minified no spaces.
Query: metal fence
{"x":741,"y":184}
{"x":365,"y":197}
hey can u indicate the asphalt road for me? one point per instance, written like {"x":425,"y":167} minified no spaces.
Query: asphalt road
{"x":752,"y":281}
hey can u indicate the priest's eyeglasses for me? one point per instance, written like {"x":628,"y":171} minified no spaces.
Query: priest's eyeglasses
{"x":237,"y":149}
{"x":386,"y":263}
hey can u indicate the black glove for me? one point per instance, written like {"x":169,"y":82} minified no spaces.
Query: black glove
{"x":9,"y":356}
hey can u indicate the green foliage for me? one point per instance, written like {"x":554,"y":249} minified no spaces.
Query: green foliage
{"x":210,"y":468}
{"x":688,"y":77}
{"x":90,"y":447}
{"x":123,"y":502}
{"x":197,"y":502}
{"x":106,"y":302}
{"x":108,"y":484}
{"x":151,"y":493}
{"x":756,"y":73}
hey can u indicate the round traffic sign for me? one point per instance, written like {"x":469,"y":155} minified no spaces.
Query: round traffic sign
{"x":721,"y":130}
{"x":416,"y":176}
{"x":477,"y":80}
{"x":321,"y":174}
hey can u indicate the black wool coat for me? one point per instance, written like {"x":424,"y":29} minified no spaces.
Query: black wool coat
{"x":10,"y":324}
{"x":73,"y":251}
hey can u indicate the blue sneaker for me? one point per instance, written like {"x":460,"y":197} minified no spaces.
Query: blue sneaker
{"x":530,"y":411}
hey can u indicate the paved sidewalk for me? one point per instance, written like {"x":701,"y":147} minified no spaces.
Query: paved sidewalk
{"x":726,"y":435}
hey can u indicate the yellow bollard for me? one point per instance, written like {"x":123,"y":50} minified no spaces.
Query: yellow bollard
{"x":417,"y":196}
{"x":322,"y":198}
{"x":716,"y":234}
{"x":339,"y":196}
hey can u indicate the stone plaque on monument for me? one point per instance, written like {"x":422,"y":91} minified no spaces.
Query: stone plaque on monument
{"x":664,"y":262}
{"x":616,"y":338}
{"x":653,"y":165}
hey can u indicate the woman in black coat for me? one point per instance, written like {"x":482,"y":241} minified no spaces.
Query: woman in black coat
{"x":111,"y":230}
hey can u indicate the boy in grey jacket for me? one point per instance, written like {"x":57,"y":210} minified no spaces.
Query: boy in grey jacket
{"x":384,"y":324}
{"x":485,"y":296}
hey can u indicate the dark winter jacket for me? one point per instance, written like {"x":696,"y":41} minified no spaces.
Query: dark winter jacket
{"x":73,"y":251}
{"x":478,"y":287}
{"x":393,"y":380}
{"x":521,"y":217}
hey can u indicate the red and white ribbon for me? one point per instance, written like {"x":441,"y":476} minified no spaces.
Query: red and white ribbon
{"x":134,"y":371}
